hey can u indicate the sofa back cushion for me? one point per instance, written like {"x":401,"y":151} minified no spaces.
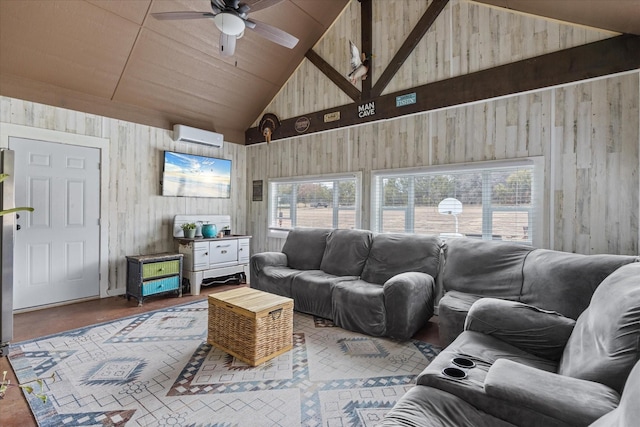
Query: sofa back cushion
{"x":563,"y":281}
{"x":604,"y":344}
{"x":346,"y":252}
{"x":393,"y":254}
{"x":304,"y":247}
{"x":487,"y":268}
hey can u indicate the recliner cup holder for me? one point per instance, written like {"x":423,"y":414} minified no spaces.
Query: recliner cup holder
{"x":463,"y":362}
{"x":453,"y":372}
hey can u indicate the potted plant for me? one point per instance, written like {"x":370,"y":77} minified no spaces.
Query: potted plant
{"x":189,"y":230}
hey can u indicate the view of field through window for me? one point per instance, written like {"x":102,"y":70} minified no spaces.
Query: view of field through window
{"x":496,"y":204}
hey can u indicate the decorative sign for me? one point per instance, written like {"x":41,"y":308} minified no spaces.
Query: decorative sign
{"x":368,"y":109}
{"x":257,"y":191}
{"x":302,"y":124}
{"x":332,"y":117}
{"x":407,"y":99}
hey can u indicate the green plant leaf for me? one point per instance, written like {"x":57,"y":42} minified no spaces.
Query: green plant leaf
{"x":8,"y":211}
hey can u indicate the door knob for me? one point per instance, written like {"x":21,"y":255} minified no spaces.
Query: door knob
{"x":18,"y":227}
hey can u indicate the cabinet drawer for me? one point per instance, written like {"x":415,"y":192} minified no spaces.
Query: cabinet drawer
{"x":160,"y":285}
{"x":157,"y":269}
{"x":201,"y":258}
{"x":223,"y":251}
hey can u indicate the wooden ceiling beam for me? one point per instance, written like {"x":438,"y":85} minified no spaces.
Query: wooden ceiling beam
{"x":412,"y":40}
{"x":366,"y":37}
{"x":366,"y":12}
{"x":333,"y":75}
{"x":597,"y":59}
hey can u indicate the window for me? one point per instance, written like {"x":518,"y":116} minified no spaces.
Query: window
{"x":330,"y":201}
{"x":486,"y":200}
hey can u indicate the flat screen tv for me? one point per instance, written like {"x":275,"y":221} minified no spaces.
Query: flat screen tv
{"x":190,"y":175}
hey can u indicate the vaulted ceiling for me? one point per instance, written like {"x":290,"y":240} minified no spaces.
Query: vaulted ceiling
{"x":113,"y":58}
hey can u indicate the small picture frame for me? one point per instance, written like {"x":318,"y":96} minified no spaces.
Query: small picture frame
{"x":257,"y":190}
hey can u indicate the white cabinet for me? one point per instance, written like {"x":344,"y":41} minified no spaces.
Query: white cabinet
{"x":211,"y":258}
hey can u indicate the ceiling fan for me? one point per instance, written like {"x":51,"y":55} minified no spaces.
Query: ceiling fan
{"x":231,"y":18}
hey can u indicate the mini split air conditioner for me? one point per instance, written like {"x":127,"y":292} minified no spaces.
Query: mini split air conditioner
{"x":188,"y":134}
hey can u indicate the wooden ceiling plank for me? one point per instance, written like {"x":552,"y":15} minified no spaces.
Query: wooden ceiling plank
{"x":133,"y":10}
{"x":601,"y":58}
{"x":335,"y":76}
{"x":410,"y":43}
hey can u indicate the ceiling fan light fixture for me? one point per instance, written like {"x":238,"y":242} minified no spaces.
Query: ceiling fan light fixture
{"x":229,"y":23}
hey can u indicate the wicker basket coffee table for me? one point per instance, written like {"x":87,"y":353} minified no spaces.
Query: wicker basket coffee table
{"x":252,"y":325}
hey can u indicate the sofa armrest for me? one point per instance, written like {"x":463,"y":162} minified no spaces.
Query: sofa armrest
{"x":267,"y":259}
{"x":408,"y":301}
{"x":536,"y":331}
{"x":572,"y":400}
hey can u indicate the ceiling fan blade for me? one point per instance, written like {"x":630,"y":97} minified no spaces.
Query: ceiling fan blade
{"x":166,"y":16}
{"x":274,"y":34}
{"x":227,"y":44}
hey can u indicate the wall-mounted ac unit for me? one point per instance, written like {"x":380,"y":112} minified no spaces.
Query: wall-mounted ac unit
{"x":188,"y":134}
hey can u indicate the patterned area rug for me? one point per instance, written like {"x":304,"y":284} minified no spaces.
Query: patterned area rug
{"x":156,"y":369}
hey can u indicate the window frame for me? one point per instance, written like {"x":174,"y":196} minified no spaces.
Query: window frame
{"x":537,"y":190}
{"x":282,"y":232}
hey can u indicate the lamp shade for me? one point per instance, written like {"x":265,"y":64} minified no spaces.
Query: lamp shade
{"x":229,"y":23}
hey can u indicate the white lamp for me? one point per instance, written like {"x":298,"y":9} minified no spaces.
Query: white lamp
{"x":229,"y":23}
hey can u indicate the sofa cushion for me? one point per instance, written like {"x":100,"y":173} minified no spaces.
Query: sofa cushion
{"x":304,"y":247}
{"x":359,"y":306}
{"x":563,"y":281}
{"x":393,"y":254}
{"x":540,"y":332}
{"x":563,"y":398}
{"x":275,"y":279}
{"x":430,"y":407}
{"x":452,"y":313}
{"x":312,"y":291}
{"x":486,"y":268}
{"x":346,"y":252}
{"x":605,"y":342}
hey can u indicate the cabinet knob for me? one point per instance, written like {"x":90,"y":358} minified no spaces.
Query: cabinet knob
{"x":206,"y":253}
{"x":223,"y":252}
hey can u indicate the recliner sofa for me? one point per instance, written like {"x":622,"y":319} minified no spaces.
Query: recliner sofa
{"x":536,"y":367}
{"x":547,"y":279}
{"x":377,"y":284}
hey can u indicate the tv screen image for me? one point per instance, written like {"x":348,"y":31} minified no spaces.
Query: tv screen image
{"x":190,"y":175}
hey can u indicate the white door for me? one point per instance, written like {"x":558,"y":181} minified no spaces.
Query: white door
{"x":56,"y":255}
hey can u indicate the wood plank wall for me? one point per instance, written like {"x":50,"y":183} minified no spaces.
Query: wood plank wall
{"x":588,"y":133}
{"x":140,"y":219}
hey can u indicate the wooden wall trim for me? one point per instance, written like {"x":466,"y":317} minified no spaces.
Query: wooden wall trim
{"x":412,"y":40}
{"x":609,"y":56}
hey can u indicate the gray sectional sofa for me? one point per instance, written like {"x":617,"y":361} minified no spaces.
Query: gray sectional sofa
{"x":377,"y":284}
{"x":536,"y":367}
{"x":552,"y":337}
{"x":547,"y":279}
